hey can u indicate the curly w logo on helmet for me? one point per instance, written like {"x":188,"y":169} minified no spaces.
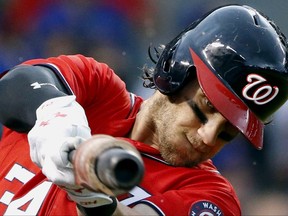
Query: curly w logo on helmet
{"x":263,"y":92}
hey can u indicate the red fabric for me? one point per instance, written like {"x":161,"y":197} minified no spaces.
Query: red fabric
{"x":174,"y":190}
{"x":171,"y":190}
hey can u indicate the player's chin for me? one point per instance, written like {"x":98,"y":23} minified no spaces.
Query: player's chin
{"x":185,"y":160}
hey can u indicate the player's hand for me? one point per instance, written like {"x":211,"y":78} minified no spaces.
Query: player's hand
{"x":60,"y":127}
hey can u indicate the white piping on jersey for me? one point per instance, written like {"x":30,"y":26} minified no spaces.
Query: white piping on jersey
{"x":215,"y":171}
{"x":132,"y":103}
{"x":155,"y":158}
{"x":62,"y":77}
{"x":162,"y":161}
{"x":132,"y":98}
{"x":152,"y":205}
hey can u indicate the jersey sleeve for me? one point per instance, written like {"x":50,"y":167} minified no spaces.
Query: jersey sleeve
{"x":97,"y":88}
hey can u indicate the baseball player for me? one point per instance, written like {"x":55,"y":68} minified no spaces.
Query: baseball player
{"x":226,"y":73}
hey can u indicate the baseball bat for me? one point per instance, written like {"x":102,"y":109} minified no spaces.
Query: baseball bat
{"x":104,"y":163}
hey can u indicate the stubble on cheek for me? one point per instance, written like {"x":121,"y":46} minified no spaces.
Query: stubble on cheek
{"x":167,"y":146}
{"x":178,"y":153}
{"x":172,"y":142}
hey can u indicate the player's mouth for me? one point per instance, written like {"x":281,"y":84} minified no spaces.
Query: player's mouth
{"x":202,"y":149}
{"x":198,"y":146}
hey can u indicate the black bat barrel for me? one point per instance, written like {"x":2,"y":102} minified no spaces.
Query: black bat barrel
{"x":119,"y":168}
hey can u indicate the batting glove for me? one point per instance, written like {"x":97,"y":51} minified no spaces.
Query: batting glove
{"x":60,"y":127}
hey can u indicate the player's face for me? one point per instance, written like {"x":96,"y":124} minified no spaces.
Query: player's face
{"x":191,"y":130}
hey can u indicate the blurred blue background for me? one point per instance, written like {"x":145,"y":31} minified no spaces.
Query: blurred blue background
{"x":119,"y":33}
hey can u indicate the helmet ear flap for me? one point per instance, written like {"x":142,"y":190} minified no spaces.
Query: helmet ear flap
{"x":167,"y":63}
{"x":171,"y":72}
{"x":164,"y":82}
{"x":191,"y":74}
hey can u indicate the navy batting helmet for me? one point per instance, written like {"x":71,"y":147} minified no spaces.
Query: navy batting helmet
{"x":240,"y":57}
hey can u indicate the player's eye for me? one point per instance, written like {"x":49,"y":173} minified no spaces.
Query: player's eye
{"x":200,"y":115}
{"x":209,"y":104}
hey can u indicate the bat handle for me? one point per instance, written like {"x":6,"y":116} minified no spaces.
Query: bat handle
{"x":117,"y":168}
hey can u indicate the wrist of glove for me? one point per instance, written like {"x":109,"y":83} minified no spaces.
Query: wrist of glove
{"x":92,"y":203}
{"x":87,"y":198}
{"x":60,"y":127}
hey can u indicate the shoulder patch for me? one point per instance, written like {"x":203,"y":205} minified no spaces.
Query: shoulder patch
{"x":205,"y":208}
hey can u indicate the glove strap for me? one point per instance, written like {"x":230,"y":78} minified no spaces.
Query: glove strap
{"x":91,"y":201}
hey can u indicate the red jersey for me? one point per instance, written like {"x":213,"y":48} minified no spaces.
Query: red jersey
{"x":110,"y":109}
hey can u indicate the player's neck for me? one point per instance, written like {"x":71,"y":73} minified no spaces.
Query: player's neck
{"x":144,"y":129}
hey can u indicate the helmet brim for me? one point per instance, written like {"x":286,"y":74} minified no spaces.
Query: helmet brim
{"x":228,"y":104}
